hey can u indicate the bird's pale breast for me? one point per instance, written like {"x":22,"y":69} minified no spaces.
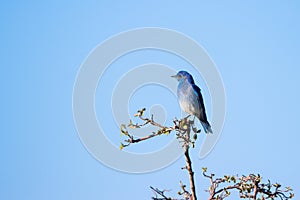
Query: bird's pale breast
{"x":187,"y":98}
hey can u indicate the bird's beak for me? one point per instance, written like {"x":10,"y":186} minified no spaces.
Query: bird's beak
{"x":174,"y":76}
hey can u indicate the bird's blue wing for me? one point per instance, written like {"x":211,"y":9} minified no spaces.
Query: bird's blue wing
{"x":202,"y":113}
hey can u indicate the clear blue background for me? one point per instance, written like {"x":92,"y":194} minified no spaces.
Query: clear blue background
{"x":254,"y":44}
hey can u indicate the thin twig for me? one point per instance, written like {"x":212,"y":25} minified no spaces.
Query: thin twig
{"x":249,"y":187}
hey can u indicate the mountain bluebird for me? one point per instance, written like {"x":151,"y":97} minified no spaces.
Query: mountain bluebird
{"x":190,"y":98}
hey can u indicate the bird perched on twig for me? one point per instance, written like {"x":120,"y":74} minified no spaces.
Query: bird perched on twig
{"x":190,"y":98}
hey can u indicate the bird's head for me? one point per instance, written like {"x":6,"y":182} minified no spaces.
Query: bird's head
{"x":183,"y":75}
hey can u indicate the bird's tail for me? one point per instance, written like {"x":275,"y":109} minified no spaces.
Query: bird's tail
{"x":207,"y":127}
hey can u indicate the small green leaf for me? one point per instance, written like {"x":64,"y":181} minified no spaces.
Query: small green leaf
{"x":277,"y":185}
{"x":288,"y":188}
{"x":233,"y":179}
{"x":123,"y":129}
{"x":132,"y":126}
{"x":121,"y":146}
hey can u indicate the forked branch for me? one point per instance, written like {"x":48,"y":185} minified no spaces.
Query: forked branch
{"x":183,"y":129}
{"x":248,"y":187}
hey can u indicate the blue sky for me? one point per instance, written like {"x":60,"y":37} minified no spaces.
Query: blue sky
{"x":254,"y":44}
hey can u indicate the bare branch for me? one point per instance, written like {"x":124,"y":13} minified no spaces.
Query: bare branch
{"x":248,"y":187}
{"x":190,"y":170}
{"x":159,"y":194}
{"x":180,"y":126}
{"x":183,"y":130}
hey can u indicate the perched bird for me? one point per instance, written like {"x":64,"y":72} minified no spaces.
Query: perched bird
{"x":190,"y":98}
